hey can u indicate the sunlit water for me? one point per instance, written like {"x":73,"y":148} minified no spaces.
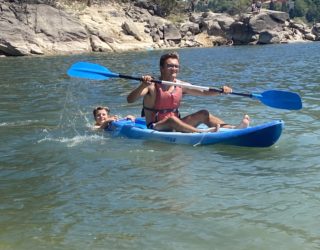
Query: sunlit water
{"x":64,"y":186}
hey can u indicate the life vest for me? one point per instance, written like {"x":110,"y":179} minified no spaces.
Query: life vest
{"x":166,"y":104}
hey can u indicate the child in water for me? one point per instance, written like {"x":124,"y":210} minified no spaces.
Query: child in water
{"x":103,"y":118}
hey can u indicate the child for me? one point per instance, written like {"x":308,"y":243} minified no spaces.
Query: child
{"x":103,"y":119}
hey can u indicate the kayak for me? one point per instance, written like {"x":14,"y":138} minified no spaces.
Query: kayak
{"x":264,"y":135}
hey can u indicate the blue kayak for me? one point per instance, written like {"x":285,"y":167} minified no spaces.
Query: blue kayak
{"x":263,"y":135}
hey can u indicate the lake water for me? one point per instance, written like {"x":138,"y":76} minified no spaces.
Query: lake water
{"x":64,"y":186}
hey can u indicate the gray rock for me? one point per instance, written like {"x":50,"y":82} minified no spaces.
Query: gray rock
{"x":267,"y":37}
{"x":171,"y":33}
{"x":43,"y":30}
{"x":190,"y":27}
{"x":130,"y":28}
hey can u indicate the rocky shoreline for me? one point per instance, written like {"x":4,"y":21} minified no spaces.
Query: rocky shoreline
{"x":39,"y":29}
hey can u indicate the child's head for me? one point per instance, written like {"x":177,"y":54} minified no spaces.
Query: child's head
{"x":100,"y":114}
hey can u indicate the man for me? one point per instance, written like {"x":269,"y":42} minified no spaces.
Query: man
{"x":258,"y":5}
{"x":161,"y":102}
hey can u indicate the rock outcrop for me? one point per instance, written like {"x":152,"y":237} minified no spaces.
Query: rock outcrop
{"x":39,"y":29}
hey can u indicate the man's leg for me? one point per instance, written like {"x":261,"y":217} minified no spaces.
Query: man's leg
{"x":202,"y":116}
{"x":175,"y":124}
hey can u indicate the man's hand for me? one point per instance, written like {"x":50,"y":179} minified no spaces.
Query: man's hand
{"x":147,"y":80}
{"x":226,"y":90}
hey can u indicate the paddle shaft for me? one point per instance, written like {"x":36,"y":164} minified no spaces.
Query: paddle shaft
{"x":96,"y":71}
{"x":180,"y":84}
{"x":186,"y":85}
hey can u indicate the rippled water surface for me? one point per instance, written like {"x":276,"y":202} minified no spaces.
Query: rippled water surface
{"x":64,"y":186}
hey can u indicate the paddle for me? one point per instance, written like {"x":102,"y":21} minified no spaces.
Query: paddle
{"x":272,"y":98}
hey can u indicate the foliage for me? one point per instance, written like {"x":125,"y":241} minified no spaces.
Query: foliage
{"x":166,"y":6}
{"x":238,"y":6}
{"x":229,"y":6}
{"x":308,"y":9}
{"x":313,"y":13}
{"x":300,"y":8}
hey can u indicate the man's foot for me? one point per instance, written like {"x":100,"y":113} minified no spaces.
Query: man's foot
{"x":244,"y":123}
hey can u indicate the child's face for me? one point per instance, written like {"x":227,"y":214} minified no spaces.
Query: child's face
{"x":101,"y":116}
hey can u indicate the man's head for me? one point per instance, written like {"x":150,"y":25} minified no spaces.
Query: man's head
{"x":169,"y":66}
{"x":163,"y":58}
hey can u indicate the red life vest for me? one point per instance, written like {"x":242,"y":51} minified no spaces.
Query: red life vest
{"x":166,"y":104}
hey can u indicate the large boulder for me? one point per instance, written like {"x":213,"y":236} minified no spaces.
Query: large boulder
{"x":15,"y":37}
{"x":268,"y":37}
{"x":223,"y":19}
{"x":271,"y":20}
{"x":171,"y":33}
{"x":99,"y":45}
{"x":43,"y":29}
{"x":216,"y":24}
{"x":130,"y":29}
{"x":190,"y":27}
{"x":242,"y":33}
{"x":264,"y":27}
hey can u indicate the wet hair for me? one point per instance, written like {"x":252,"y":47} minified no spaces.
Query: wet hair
{"x":166,"y":56}
{"x":100,"y":108}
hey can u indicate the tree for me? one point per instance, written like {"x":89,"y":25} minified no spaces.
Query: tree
{"x":313,"y":13}
{"x":300,"y":8}
{"x":166,"y":6}
{"x":284,"y":6}
{"x":272,"y":5}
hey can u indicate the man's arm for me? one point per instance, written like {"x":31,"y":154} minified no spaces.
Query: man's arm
{"x":197,"y":92}
{"x":135,"y":94}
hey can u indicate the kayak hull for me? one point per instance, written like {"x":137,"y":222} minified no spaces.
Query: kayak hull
{"x":264,"y":135}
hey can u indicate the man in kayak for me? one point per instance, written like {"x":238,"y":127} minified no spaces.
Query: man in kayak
{"x":161,"y":102}
{"x":103,"y":119}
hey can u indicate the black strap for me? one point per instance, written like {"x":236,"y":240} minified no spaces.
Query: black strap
{"x":159,"y":111}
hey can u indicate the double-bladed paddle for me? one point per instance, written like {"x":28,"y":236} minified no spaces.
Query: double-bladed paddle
{"x":272,"y":98}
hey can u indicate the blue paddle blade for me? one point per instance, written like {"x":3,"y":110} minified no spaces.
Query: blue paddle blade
{"x":90,"y":71}
{"x":280,"y":99}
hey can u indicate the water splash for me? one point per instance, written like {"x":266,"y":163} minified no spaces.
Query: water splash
{"x":76,"y":140}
